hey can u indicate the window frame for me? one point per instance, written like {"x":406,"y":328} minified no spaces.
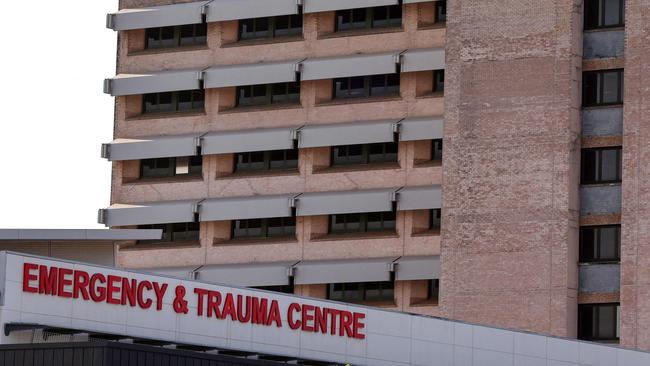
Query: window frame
{"x":600,"y":90}
{"x":369,"y":18}
{"x":433,"y":290}
{"x":169,"y":234}
{"x":438,"y":81}
{"x":268,"y":161}
{"x":268,"y":94}
{"x":363,"y":223}
{"x":439,"y":16}
{"x":386,"y":291}
{"x":597,"y":337}
{"x":366,"y":156}
{"x":272,"y":27}
{"x":177,"y":39}
{"x":171,"y":170}
{"x":436,"y":150}
{"x":597,"y":237}
{"x":175,"y":102}
{"x":598,"y":166}
{"x":264,"y":228}
{"x":435,"y":219}
{"x":367,"y":87}
{"x":600,"y":8}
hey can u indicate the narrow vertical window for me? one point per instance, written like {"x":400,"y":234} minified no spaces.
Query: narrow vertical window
{"x":599,"y":322}
{"x":603,"y":87}
{"x":604,"y":14}
{"x":601,"y":165}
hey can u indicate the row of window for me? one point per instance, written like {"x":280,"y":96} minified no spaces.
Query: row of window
{"x":284,"y":26}
{"x":385,"y":85}
{"x":278,"y":160}
{"x":286,"y":226}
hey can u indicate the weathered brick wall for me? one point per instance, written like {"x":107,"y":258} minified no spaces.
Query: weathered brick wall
{"x":635,"y":218}
{"x":511,"y":163}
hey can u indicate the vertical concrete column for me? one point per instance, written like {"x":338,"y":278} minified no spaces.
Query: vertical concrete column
{"x":511,"y":163}
{"x":635,"y":216}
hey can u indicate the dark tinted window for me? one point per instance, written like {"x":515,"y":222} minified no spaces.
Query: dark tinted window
{"x":433,"y":290}
{"x":435,"y":219}
{"x":438,"y":81}
{"x":602,"y":165}
{"x":604,"y":13}
{"x":602,"y":88}
{"x":363,"y":18}
{"x":262,"y":94}
{"x":264,"y":228}
{"x":170,"y":167}
{"x":176,"y":232}
{"x":599,"y":322}
{"x":362,"y":222}
{"x":441,"y":11}
{"x":178,"y":101}
{"x":361,"y":291}
{"x":364,"y":154}
{"x":270,"y":27}
{"x":266,"y":160}
{"x":176,"y":36}
{"x":600,"y":243}
{"x":436,"y":149}
{"x":366,"y":86}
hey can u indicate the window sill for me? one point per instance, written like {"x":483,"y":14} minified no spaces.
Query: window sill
{"x":360,"y":100}
{"x":161,"y":245}
{"x":605,"y":106}
{"x":605,"y":29}
{"x":427,"y":163}
{"x":430,"y":95}
{"x":158,"y":51}
{"x":255,"y":241}
{"x":163,"y":180}
{"x":360,"y":32}
{"x":422,"y":303}
{"x":431,"y":232}
{"x":598,"y":263}
{"x":357,"y":168}
{"x":354,"y":236}
{"x":428,"y":26}
{"x":261,"y":108}
{"x":263,"y":41}
{"x":601,"y":184}
{"x":148,"y":116}
{"x":260,"y":174}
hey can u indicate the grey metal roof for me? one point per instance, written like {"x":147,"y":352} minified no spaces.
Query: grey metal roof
{"x":80,"y":234}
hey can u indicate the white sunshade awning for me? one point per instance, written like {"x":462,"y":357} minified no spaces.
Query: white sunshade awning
{"x":421,"y":128}
{"x":326,"y":203}
{"x":423,"y":60}
{"x":220,"y":10}
{"x":417,"y":268}
{"x":163,"y":212}
{"x":254,"y":274}
{"x":354,"y":65}
{"x":313,"y":6}
{"x":348,"y":133}
{"x":343,"y":271}
{"x":154,"y":82}
{"x":152,"y":147}
{"x":156,"y":16}
{"x":419,"y":198}
{"x":248,"y":140}
{"x":251,"y":207}
{"x":251,"y":74}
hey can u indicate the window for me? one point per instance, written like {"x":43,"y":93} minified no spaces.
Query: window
{"x":601,"y":165}
{"x":361,"y":291}
{"x":383,"y":152}
{"x":599,"y":322}
{"x":433,"y":290}
{"x":366,"y":86}
{"x":271,"y":27}
{"x":176,"y":36}
{"x":264,"y":228}
{"x":266,"y":160}
{"x":600,"y":243}
{"x":435,"y":219}
{"x":436,"y":150}
{"x":177,"y":101}
{"x":284,"y":289}
{"x":602,"y":88}
{"x":439,"y":81}
{"x":366,"y":18}
{"x":441,"y":11}
{"x":362,"y":222}
{"x":263,"y":94}
{"x":171,"y":167}
{"x":604,"y":14}
{"x":177,"y":232}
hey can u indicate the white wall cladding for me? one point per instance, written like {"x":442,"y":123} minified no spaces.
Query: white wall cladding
{"x":392,"y":338}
